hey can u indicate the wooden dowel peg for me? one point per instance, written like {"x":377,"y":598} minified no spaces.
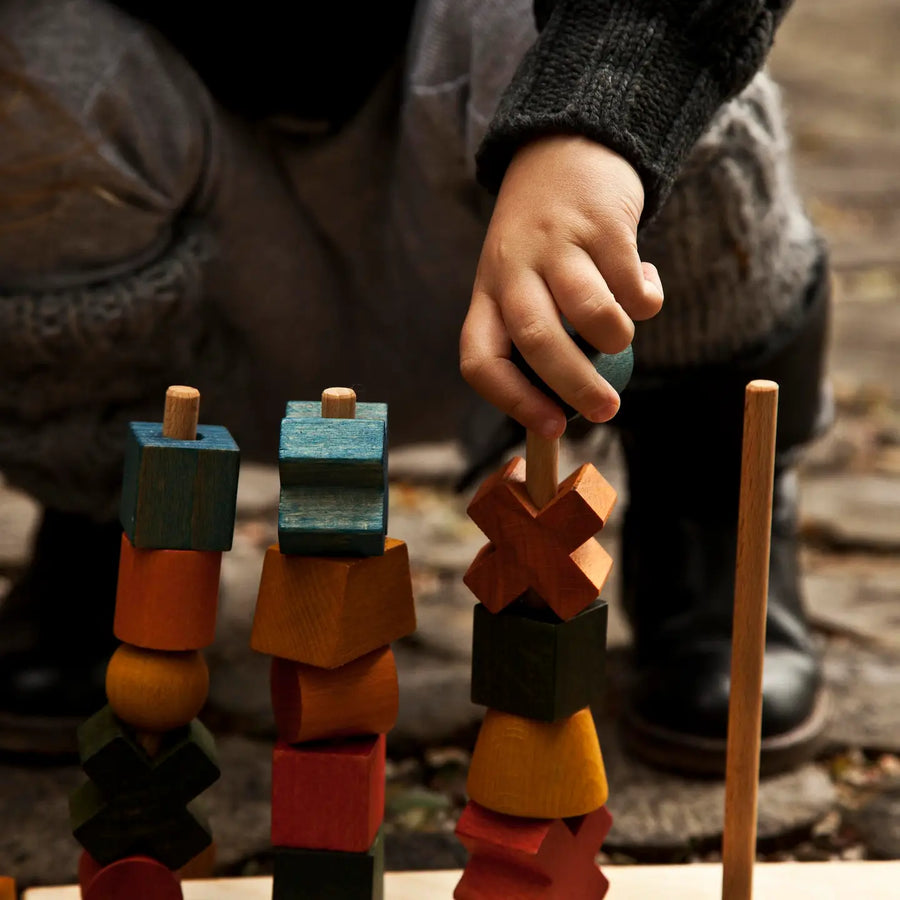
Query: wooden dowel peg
{"x":151,"y":741}
{"x":542,"y":483}
{"x":541,"y":468}
{"x":338,"y":403}
{"x":182,"y":413}
{"x":749,"y":639}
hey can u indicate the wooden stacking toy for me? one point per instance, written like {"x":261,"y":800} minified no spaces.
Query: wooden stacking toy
{"x":537,"y":786}
{"x":145,"y":754}
{"x":334,"y":593}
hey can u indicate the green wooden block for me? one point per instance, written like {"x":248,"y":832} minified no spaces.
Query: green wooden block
{"x":329,"y":874}
{"x":530,"y":663}
{"x":333,"y":482}
{"x":179,"y":495}
{"x":132,"y":805}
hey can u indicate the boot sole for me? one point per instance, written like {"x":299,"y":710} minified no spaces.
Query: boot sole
{"x":689,"y":754}
{"x":40,"y":736}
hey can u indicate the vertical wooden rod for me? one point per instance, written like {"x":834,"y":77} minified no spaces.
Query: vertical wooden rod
{"x":182,"y":413}
{"x":541,"y":468}
{"x":749,"y":640}
{"x":542,"y":482}
{"x":338,"y":403}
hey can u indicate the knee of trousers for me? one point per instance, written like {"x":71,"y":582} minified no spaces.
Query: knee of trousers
{"x":106,"y":143}
{"x":733,"y":244}
{"x":462,"y":56}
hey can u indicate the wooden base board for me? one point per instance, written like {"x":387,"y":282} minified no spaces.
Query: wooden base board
{"x":772,"y":881}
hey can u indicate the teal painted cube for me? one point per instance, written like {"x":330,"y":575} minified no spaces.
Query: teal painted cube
{"x":333,"y":482}
{"x":179,"y":495}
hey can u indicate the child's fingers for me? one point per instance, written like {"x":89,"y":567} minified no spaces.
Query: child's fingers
{"x":618,"y":259}
{"x":484,"y":349}
{"x":583,"y":297}
{"x":532,"y":321}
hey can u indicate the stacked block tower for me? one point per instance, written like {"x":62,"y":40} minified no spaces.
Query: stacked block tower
{"x":145,"y":754}
{"x":334,"y":593}
{"x":537,"y":785}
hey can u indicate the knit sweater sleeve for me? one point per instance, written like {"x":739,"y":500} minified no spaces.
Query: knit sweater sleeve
{"x":642,"y":77}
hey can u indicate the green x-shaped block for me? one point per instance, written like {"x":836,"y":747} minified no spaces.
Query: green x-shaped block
{"x":133,"y":805}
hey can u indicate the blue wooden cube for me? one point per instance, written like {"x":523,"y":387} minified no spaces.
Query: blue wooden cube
{"x":333,"y":482}
{"x":179,"y":495}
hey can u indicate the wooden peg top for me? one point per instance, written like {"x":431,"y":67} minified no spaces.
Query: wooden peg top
{"x":338,"y":403}
{"x":182,"y":413}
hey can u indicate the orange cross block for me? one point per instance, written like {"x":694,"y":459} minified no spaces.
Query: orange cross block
{"x":551,"y":550}
{"x":531,"y":859}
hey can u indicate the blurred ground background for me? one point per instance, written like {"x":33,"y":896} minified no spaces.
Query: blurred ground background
{"x":840,"y":70}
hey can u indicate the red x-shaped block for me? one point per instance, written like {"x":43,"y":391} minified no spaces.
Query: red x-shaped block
{"x":550,"y":550}
{"x":531,"y":859}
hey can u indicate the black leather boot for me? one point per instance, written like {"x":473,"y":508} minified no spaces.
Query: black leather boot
{"x":56,"y":634}
{"x":681,"y":433}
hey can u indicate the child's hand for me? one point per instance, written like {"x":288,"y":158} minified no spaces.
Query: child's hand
{"x":562,"y":242}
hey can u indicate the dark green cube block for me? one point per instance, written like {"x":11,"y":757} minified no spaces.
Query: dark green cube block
{"x":530,"y":663}
{"x":329,"y":874}
{"x":179,"y":495}
{"x":333,"y":482}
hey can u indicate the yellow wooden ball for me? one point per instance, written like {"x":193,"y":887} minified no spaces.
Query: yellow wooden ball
{"x":154,"y":690}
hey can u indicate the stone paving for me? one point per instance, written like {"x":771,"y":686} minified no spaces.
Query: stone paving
{"x":841,"y":73}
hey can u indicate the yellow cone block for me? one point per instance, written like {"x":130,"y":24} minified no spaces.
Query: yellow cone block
{"x":539,"y":770}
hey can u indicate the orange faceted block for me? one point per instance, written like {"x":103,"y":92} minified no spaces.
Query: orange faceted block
{"x":531,"y":859}
{"x":156,"y":691}
{"x":167,"y":599}
{"x":328,"y":796}
{"x":7,"y":888}
{"x":327,"y":611}
{"x":540,"y":770}
{"x":551,"y":551}
{"x":310,"y":703}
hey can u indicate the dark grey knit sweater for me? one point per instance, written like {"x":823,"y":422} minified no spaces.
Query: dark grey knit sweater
{"x":642,"y":77}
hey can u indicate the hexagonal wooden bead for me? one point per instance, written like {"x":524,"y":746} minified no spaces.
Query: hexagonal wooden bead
{"x":540,"y":770}
{"x":333,"y":481}
{"x":179,"y":495}
{"x":360,"y":697}
{"x":167,"y":599}
{"x":528,"y":662}
{"x":550,"y":550}
{"x":326,"y":611}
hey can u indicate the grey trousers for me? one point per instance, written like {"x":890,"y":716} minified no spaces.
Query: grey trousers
{"x":147,"y":238}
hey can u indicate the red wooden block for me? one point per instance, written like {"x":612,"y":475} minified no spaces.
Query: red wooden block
{"x":201,"y":866}
{"x":531,"y":859}
{"x":133,"y":878}
{"x":550,"y":550}
{"x":328,"y":796}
